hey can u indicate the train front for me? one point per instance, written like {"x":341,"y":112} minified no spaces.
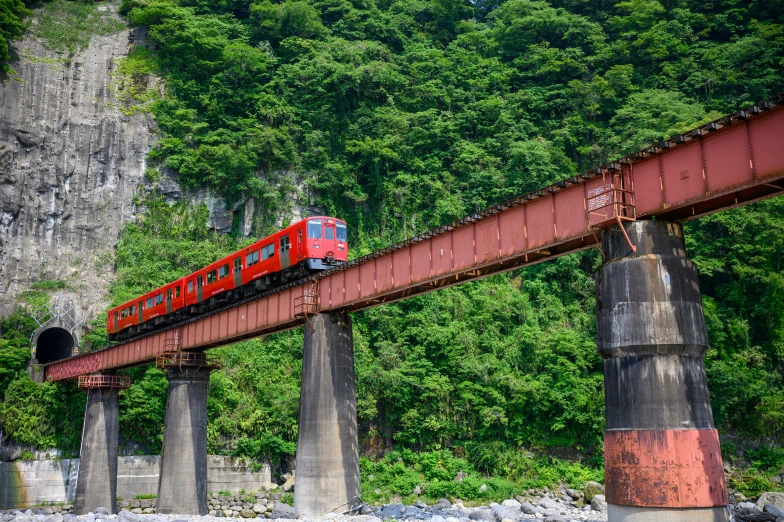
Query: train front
{"x":327,"y":242}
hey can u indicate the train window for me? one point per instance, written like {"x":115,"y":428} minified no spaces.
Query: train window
{"x":123,"y":313}
{"x":223,"y":271}
{"x":342,"y":236}
{"x":252,"y":258}
{"x":285,"y":244}
{"x":329,"y":233}
{"x":148,"y":305}
{"x":132,"y":310}
{"x":158,"y":299}
{"x":115,"y":315}
{"x":177,"y":291}
{"x":190,"y":286}
{"x":299,"y":236}
{"x":238,"y":264}
{"x":267,"y":251}
{"x":212,"y":276}
{"x":314,"y":229}
{"x":199,"y":282}
{"x":169,"y":294}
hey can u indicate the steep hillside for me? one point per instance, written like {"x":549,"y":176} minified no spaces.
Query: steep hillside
{"x":400,"y":115}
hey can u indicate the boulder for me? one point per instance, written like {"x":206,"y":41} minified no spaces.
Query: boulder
{"x":289,"y":484}
{"x":417,"y":490}
{"x":101,"y":511}
{"x":548,"y":503}
{"x":773,"y":510}
{"x":483,"y":488}
{"x":282,"y":510}
{"x":591,"y":489}
{"x":554,"y":518}
{"x":528,"y":508}
{"x":773,"y":498}
{"x":460,"y":476}
{"x":247,"y":513}
{"x":576,"y":494}
{"x":442,"y":504}
{"x":259,"y":508}
{"x":396,"y":511}
{"x":511,"y":503}
{"x":599,"y":504}
{"x":501,"y":513}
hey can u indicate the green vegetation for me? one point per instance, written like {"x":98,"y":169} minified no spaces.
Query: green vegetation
{"x":143,"y":496}
{"x":12,"y":12}
{"x":65,"y":26}
{"x":398,"y":116}
{"x":54,"y":284}
{"x":133,"y":88}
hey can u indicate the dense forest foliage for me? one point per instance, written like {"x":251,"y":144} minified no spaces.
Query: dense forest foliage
{"x":400,"y":115}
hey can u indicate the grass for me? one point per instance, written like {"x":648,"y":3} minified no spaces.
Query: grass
{"x":129,"y":85}
{"x":67,"y":26}
{"x":144,"y":496}
{"x":56,"y":284}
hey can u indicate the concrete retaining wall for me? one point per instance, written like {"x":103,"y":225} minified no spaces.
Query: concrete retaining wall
{"x":30,"y":483}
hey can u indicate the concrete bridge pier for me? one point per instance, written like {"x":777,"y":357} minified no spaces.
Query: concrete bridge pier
{"x":96,"y":483}
{"x":327,"y":444}
{"x":662,"y":456}
{"x":182,"y":486}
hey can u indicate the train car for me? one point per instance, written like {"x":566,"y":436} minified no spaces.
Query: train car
{"x":311,"y":245}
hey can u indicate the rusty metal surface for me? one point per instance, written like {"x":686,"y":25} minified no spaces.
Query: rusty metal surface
{"x":86,"y":382}
{"x":733,"y":161}
{"x":664,"y":468}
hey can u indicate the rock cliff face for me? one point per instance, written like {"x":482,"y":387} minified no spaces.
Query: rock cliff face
{"x":70,"y":163}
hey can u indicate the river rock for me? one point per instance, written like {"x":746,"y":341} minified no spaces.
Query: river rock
{"x":773,"y":510}
{"x":599,"y":504}
{"x":501,"y":513}
{"x":773,"y":498}
{"x":592,"y":488}
{"x":528,"y":508}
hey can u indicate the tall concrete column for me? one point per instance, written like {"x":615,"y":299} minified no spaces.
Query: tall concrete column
{"x":327,"y":445}
{"x":182,"y":488}
{"x":96,"y":483}
{"x":662,"y":456}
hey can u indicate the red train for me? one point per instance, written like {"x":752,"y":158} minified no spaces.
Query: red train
{"x":310,"y":245}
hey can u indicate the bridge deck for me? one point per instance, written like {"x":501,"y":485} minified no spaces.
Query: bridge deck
{"x":733,"y":161}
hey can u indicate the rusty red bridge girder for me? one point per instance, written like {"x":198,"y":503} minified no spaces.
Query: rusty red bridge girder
{"x":735,"y":160}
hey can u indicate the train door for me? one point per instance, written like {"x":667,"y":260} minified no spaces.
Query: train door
{"x":238,"y":272}
{"x":330,"y":243}
{"x":300,"y":244}
{"x":285,"y":246}
{"x":141,"y":309}
{"x":199,"y":292}
{"x":168,"y":300}
{"x":115,"y":321}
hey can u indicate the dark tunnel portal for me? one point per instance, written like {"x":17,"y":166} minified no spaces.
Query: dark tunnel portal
{"x":54,"y":344}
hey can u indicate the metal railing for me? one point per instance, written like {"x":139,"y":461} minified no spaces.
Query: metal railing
{"x":119,"y":382}
{"x":179,"y":359}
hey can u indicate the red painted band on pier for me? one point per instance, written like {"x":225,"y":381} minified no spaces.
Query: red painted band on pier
{"x":664,"y":468}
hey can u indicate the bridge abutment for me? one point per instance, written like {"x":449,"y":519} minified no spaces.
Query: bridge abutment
{"x":662,"y":455}
{"x":327,"y":444}
{"x":182,"y":487}
{"x":96,"y":483}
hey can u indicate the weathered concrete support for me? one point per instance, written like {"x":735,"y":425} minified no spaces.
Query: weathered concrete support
{"x":96,"y":483}
{"x":327,"y":445}
{"x":662,"y":456}
{"x":183,"y":481}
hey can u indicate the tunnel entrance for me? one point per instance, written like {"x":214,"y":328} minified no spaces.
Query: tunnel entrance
{"x":54,"y":344}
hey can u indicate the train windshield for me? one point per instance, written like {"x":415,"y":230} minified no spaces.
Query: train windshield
{"x":314,"y":229}
{"x":341,"y":229}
